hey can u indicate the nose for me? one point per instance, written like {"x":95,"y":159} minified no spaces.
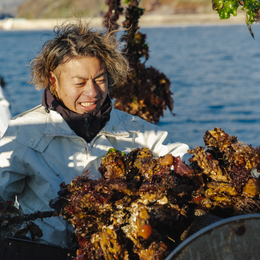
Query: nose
{"x":91,"y":89}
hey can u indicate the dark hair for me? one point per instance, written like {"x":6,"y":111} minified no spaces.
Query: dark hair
{"x":75,"y":39}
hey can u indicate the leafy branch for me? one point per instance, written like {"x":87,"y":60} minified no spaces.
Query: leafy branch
{"x":226,"y":8}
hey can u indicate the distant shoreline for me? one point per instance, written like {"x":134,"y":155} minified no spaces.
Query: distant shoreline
{"x":145,"y":20}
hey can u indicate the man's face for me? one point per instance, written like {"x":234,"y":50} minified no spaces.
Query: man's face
{"x":81,"y":84}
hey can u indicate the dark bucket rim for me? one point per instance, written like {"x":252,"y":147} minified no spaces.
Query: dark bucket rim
{"x":199,"y":233}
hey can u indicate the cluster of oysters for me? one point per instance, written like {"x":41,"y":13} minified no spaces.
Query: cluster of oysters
{"x":143,"y":207}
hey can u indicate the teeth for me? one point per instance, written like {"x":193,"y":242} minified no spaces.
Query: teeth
{"x":87,"y":104}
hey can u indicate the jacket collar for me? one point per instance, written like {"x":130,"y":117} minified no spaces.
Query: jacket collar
{"x":86,"y":125}
{"x":45,"y":126}
{"x":56,"y":126}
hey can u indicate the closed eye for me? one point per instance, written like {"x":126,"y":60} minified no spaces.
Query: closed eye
{"x":99,"y":81}
{"x":80,"y":84}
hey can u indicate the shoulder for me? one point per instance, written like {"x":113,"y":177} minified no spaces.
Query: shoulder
{"x":125,"y":116}
{"x":27,"y":128}
{"x":134,"y":122}
{"x":36,"y":111}
{"x":30,"y":120}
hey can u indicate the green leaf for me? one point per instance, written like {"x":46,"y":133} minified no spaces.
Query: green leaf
{"x":111,"y":150}
{"x":127,"y":1}
{"x":140,"y":11}
{"x":229,"y":7}
{"x":249,"y":26}
{"x":146,"y":46}
{"x":219,"y":4}
{"x":226,"y":8}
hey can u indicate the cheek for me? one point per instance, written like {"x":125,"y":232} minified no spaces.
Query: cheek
{"x":105,"y":91}
{"x":104,"y":94}
{"x":105,"y":88}
{"x":72,"y":94}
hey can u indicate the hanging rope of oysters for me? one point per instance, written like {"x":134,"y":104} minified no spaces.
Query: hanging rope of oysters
{"x":147,"y":92}
{"x":11,"y":220}
{"x":143,"y":207}
{"x":226,"y":8}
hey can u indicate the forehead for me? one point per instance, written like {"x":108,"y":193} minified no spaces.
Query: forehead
{"x":87,"y":67}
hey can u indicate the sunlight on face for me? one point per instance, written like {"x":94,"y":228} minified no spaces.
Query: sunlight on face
{"x":82,"y":84}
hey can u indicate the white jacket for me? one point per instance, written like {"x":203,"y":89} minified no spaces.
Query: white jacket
{"x":5,"y":114}
{"x":39,"y":151}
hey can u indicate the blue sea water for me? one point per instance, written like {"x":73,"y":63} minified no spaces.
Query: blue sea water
{"x":214,"y":73}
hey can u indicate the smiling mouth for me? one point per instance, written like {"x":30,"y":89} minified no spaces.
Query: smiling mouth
{"x":88,"y":104}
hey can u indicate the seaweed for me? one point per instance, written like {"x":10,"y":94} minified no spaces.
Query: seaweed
{"x":147,"y":92}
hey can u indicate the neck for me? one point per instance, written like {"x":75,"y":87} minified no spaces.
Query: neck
{"x":86,"y":125}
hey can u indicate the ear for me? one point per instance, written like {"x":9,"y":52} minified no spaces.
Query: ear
{"x":53,"y":79}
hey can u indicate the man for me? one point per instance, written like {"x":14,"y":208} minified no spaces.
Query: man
{"x":75,"y":125}
{"x":5,"y":114}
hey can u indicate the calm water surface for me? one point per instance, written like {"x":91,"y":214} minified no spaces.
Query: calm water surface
{"x":214,"y":73}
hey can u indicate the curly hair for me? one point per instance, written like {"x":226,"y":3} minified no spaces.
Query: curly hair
{"x":75,"y":40}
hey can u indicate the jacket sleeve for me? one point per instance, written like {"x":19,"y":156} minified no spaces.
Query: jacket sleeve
{"x":154,"y":138}
{"x":145,"y":134}
{"x":12,"y":171}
